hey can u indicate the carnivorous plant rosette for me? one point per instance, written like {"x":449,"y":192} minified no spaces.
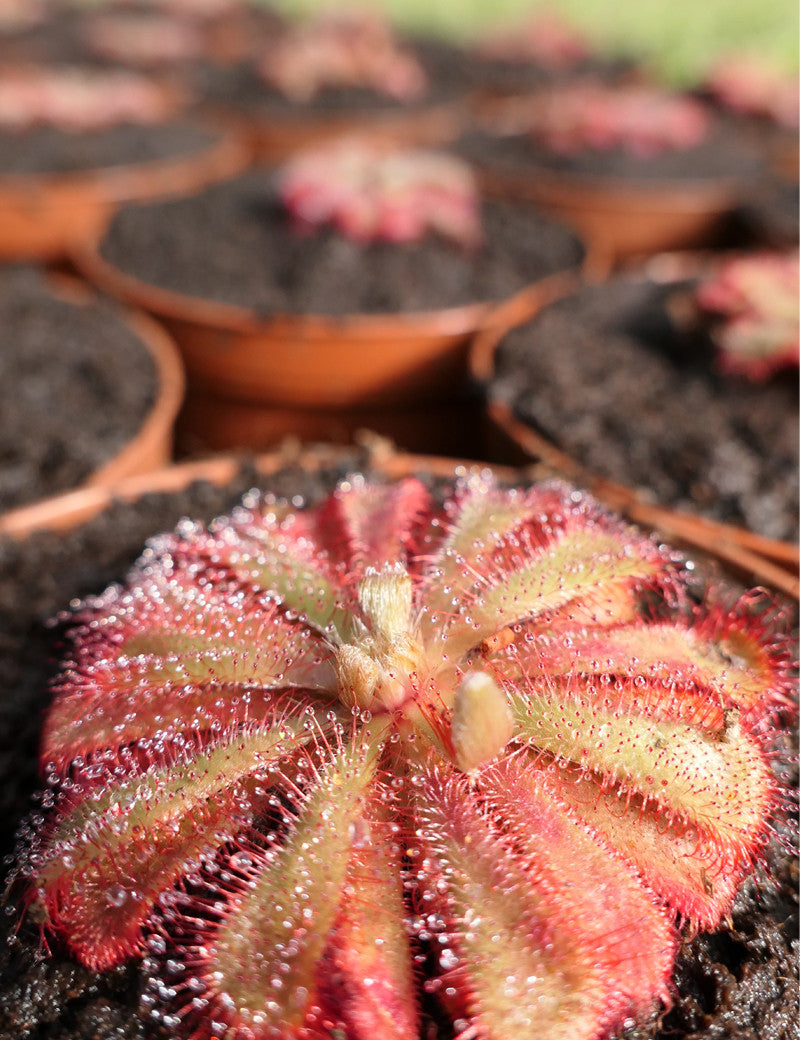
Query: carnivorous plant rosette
{"x":341,"y":49}
{"x":309,"y":760}
{"x":750,"y":86}
{"x":81,"y":99}
{"x":752,"y":302}
{"x":370,"y":193}
{"x":545,"y":37}
{"x":642,"y":120}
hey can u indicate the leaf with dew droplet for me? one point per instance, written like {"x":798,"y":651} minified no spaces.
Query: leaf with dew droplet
{"x":515,"y":968}
{"x":523,"y":581}
{"x":718,"y":780}
{"x":113,"y":850}
{"x":587,"y":885}
{"x":261,"y":958}
{"x":720,"y":658}
{"x":678,"y":860}
{"x":170,"y":642}
{"x":372,"y":525}
{"x":366,"y":981}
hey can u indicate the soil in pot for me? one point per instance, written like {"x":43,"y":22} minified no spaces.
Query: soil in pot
{"x":321,"y":67}
{"x":637,"y":169}
{"x":260,"y":263}
{"x":763,"y":101}
{"x":46,"y":33}
{"x":75,"y":386}
{"x":65,"y":119}
{"x":174,"y":36}
{"x":519,"y":58}
{"x":76,"y":141}
{"x":48,"y":149}
{"x":610,"y":377}
{"x":770,"y":216}
{"x":740,"y":982}
{"x":722,"y":154}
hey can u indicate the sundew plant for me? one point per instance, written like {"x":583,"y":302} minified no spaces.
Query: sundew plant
{"x":314,"y":765}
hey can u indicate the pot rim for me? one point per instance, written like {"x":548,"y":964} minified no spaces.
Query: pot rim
{"x":171,"y":388}
{"x":152,"y":441}
{"x":771,"y":560}
{"x":457,"y":320}
{"x":229,"y":317}
{"x":628,"y":190}
{"x":68,"y":510}
{"x":225,"y":155}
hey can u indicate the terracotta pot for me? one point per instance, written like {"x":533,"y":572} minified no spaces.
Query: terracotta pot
{"x":785,"y":155}
{"x":285,"y":367}
{"x":741,"y":551}
{"x":68,"y":510}
{"x":218,"y":424}
{"x":625,"y":218}
{"x":277,"y":136}
{"x":43,"y":214}
{"x":151,"y":447}
{"x":768,"y":560}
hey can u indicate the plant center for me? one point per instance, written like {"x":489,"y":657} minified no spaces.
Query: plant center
{"x":377,"y":668}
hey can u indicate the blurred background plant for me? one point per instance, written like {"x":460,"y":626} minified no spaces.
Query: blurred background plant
{"x":679,"y":38}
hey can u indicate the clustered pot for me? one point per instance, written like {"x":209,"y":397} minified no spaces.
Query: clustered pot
{"x":741,"y":973}
{"x":91,"y":392}
{"x":609,"y":385}
{"x":628,"y":197}
{"x":75,"y":142}
{"x":316,"y":78}
{"x":43,"y":214}
{"x":314,"y":582}
{"x":310,"y":333}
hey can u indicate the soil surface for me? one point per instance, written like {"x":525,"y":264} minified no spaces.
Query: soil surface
{"x":465,"y":68}
{"x":54,"y":39}
{"x":75,"y":386}
{"x":448,"y":69}
{"x":722,"y":155}
{"x":50,"y":150}
{"x":258,"y":261}
{"x":613,"y":380}
{"x":738,"y":984}
{"x":770,"y":216}
{"x":452,"y":73}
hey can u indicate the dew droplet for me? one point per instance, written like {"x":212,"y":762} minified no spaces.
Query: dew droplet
{"x":116,"y":895}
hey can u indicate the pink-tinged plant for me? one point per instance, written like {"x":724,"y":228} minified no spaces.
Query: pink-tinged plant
{"x":343,"y":48}
{"x":78,"y":99}
{"x":546,"y":38}
{"x":369,"y":193}
{"x":21,"y":14}
{"x":144,"y":38}
{"x":642,"y":120}
{"x":203,"y":9}
{"x":309,"y":760}
{"x":749,"y":86}
{"x":755,"y":313}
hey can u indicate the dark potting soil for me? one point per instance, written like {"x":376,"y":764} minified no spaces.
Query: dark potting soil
{"x":770,"y":216}
{"x":452,"y":73}
{"x":448,"y":71}
{"x":233,"y":243}
{"x":737,"y":984}
{"x":50,"y":150}
{"x":722,"y":155}
{"x":467,"y":70}
{"x":56,"y":38}
{"x":75,"y":386}
{"x":609,"y":377}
